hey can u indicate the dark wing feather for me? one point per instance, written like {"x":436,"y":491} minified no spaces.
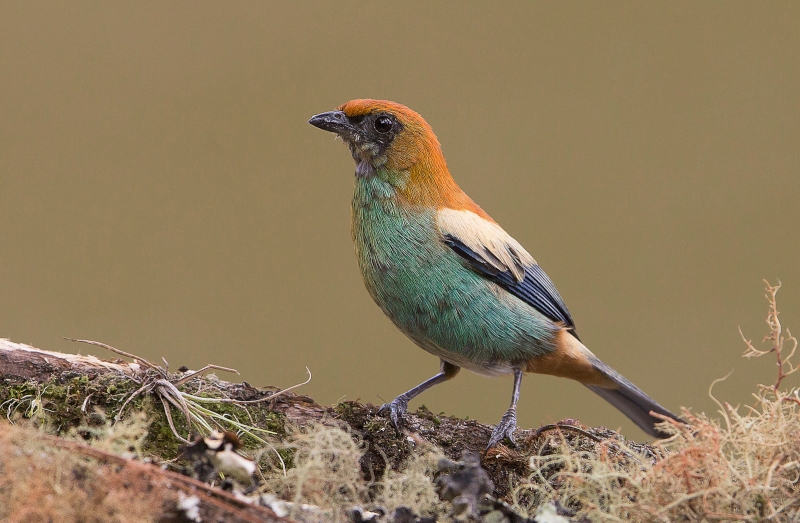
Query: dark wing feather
{"x":536,"y":289}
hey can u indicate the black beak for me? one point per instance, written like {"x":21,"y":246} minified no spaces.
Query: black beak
{"x":335,"y":122}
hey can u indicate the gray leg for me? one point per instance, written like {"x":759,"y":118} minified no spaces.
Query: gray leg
{"x":508,"y":423}
{"x":399,"y":405}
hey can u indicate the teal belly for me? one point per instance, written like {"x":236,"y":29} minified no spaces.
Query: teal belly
{"x":423,"y":287}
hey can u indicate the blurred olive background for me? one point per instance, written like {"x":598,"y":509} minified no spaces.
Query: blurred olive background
{"x":161,"y":191}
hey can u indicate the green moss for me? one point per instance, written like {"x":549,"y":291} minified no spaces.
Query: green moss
{"x":376,"y":425}
{"x":70,"y":401}
{"x":160,"y":439}
{"x":288,"y":457}
{"x":425,"y":413}
{"x":344,"y":409}
{"x":80,"y":381}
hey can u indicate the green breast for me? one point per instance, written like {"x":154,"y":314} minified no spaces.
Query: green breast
{"x":424,"y":288}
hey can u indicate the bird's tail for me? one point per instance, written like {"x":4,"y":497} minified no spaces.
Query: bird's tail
{"x":631,"y":400}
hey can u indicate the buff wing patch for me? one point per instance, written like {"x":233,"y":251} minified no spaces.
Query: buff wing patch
{"x":494,"y":254}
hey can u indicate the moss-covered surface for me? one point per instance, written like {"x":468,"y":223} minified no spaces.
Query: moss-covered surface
{"x":508,"y":466}
{"x":743,"y":467}
{"x":72,"y":401}
{"x":62,"y":400}
{"x":590,"y":470}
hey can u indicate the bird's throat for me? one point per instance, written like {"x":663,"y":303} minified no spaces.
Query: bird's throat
{"x":365,"y":169}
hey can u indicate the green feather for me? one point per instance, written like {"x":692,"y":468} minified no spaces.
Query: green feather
{"x":427,"y":291}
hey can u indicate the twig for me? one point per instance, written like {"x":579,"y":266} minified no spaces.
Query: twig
{"x":782,"y":360}
{"x":120,"y":352}
{"x":192,"y":374}
{"x":558,"y":426}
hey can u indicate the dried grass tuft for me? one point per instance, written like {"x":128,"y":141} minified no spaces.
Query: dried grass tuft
{"x":744,"y":467}
{"x":412,"y":486}
{"x":326,"y":472}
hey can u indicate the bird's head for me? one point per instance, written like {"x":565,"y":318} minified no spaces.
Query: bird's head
{"x":391,"y":141}
{"x":382,"y":133}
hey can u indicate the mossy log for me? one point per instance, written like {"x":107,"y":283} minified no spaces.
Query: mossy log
{"x":76,"y":391}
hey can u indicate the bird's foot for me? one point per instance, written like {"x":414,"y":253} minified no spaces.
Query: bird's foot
{"x":504,"y":429}
{"x":397,"y":408}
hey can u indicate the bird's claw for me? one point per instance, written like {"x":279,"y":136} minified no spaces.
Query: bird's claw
{"x":504,"y":429}
{"x":397,"y":408}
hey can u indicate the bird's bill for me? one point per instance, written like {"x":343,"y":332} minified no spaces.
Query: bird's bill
{"x":335,"y":122}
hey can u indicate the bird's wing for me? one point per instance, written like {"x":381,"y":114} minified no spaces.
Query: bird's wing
{"x":494,"y":254}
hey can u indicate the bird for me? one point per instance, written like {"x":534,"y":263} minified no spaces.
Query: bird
{"x":451,"y":278}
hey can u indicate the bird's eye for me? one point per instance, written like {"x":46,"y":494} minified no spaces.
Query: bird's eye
{"x":383,"y":124}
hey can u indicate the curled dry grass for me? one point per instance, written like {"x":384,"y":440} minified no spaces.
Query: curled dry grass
{"x":744,"y":467}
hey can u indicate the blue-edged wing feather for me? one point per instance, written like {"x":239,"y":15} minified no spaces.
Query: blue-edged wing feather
{"x":535,"y":289}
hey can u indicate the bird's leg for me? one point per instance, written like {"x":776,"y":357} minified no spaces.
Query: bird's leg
{"x":508,"y":423}
{"x":399,"y":405}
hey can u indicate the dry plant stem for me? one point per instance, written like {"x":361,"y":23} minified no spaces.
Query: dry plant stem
{"x":173,"y":395}
{"x":795,"y":398}
{"x":578,"y":430}
{"x":560,"y":426}
{"x":133,"y":395}
{"x":168,"y":413}
{"x":722,"y":409}
{"x":251,"y":402}
{"x":783,"y":360}
{"x":120,"y":352}
{"x":199,"y":372}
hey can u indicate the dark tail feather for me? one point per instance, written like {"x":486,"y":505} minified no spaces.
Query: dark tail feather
{"x":631,"y":401}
